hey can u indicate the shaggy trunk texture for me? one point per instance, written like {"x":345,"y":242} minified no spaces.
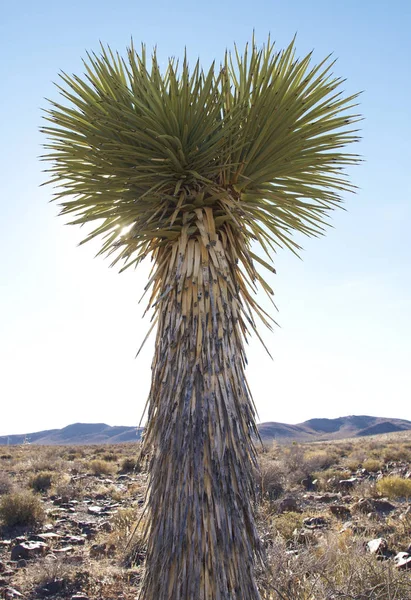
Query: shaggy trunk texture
{"x":201,"y":534}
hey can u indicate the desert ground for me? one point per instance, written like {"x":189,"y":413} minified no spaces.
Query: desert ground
{"x":334,"y":517}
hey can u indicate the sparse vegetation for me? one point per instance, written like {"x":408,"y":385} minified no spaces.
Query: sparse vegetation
{"x":41,"y":482}
{"x":6,"y":484}
{"x":128,"y":465}
{"x":373,"y":465}
{"x":285,"y":525}
{"x":100,"y":467}
{"x":316,"y":554}
{"x":394,"y":487}
{"x":21,"y":508}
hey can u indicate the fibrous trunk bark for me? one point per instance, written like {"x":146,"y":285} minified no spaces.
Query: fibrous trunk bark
{"x":202,"y":542}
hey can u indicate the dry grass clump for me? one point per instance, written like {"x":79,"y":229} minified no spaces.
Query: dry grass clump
{"x":373,"y":465}
{"x":336,"y":567}
{"x":328,"y":479}
{"x":129,"y":465}
{"x":52,"y":576}
{"x":41,"y":482}
{"x":6,"y":456}
{"x":355,"y":459}
{"x":394,"y":487}
{"x":110,"y":457}
{"x":100,"y":467}
{"x":286,"y":525}
{"x":74,"y":454}
{"x":21,"y":508}
{"x":67,"y":488}
{"x":273,"y":480}
{"x":397,"y":453}
{"x":126,"y":536}
{"x":6,"y":485}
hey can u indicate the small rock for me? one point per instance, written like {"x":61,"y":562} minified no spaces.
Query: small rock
{"x":89,"y":528}
{"x":328,"y":498}
{"x":107,"y":526}
{"x":402,"y":560}
{"x":80,"y":597}
{"x":75,"y":539}
{"x":315,"y":522}
{"x":377,"y":546}
{"x":98,"y":550}
{"x":307,"y":483}
{"x":95,"y":510}
{"x":64,"y":550}
{"x":10,"y":593}
{"x":382,"y":505}
{"x":288,"y":504}
{"x":51,"y":588}
{"x":347,"y":484}
{"x":20,"y":539}
{"x":28,"y":550}
{"x":22,"y":563}
{"x":44,"y":537}
{"x":339,"y":510}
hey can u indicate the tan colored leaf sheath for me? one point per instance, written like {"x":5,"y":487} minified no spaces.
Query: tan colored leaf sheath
{"x":201,"y":536}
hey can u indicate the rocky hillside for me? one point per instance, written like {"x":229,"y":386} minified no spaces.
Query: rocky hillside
{"x":312,"y":430}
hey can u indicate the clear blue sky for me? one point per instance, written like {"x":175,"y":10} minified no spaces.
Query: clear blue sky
{"x":70,"y":326}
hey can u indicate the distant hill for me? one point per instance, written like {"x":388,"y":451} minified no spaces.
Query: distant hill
{"x":311,"y":430}
{"x":78,"y":433}
{"x":332,"y":429}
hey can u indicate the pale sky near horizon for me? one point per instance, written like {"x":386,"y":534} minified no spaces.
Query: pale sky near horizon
{"x":70,"y":326}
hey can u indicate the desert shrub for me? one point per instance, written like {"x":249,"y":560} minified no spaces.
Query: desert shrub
{"x":99,"y":450}
{"x":319,"y":459}
{"x":41,"y":482}
{"x":335,"y":568}
{"x":129,"y":464}
{"x":101,"y":467}
{"x":294,"y":464}
{"x":74,"y":454}
{"x":6,"y":456}
{"x":126,"y":536}
{"x":5,"y":484}
{"x":285,"y":524}
{"x":355,"y":459}
{"x":110,"y":457}
{"x":56,"y":578}
{"x":77,"y":467}
{"x":327,"y":480}
{"x":372,"y":465}
{"x":21,"y":508}
{"x":394,"y":487}
{"x":67,"y":488}
{"x":366,"y":489}
{"x":272,"y":479}
{"x":394,"y":453}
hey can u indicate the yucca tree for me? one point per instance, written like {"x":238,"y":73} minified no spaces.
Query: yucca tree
{"x":205,"y":172}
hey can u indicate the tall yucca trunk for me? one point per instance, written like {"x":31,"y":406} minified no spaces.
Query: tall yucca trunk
{"x":201,"y":533}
